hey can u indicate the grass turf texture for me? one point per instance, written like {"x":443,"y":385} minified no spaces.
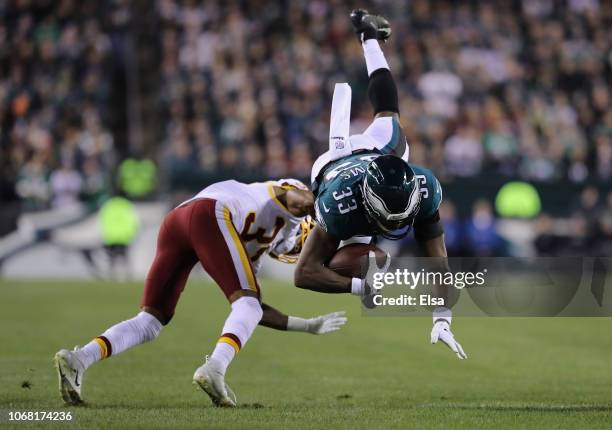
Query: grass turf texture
{"x":374,"y":373}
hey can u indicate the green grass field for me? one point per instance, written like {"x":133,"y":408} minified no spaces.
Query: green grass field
{"x":374,"y":373}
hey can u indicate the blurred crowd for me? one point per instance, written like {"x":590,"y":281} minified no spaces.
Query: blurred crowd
{"x":488,"y":89}
{"x":55,"y":84}
{"x":587,"y":231}
{"x":510,"y":88}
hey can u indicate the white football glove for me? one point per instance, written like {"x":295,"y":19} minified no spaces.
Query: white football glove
{"x":373,"y":264}
{"x":361,"y":288}
{"x":318,"y":325}
{"x":442,"y":318}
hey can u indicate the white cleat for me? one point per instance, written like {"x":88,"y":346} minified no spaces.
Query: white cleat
{"x":70,"y":373}
{"x":210,"y":379}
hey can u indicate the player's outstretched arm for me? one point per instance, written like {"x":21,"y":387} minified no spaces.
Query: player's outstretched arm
{"x":311,"y":272}
{"x":442,"y":316}
{"x":273,"y":318}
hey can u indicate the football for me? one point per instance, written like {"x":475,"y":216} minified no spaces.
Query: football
{"x":352,"y":260}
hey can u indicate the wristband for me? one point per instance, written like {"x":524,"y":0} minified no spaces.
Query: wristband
{"x":442,"y":313}
{"x":357,"y":286}
{"x":297,"y":324}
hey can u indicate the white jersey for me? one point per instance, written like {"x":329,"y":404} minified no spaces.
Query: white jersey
{"x":262,"y":221}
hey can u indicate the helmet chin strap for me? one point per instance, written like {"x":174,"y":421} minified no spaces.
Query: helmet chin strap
{"x":397,"y":236}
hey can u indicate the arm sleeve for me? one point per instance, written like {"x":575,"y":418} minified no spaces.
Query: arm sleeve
{"x":428,"y":228}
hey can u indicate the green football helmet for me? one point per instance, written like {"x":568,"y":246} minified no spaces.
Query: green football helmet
{"x":391,"y":196}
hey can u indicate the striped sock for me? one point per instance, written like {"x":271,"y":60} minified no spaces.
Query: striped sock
{"x":239,"y":326}
{"x":142,"y":328}
{"x":96,"y":350}
{"x":106,"y":349}
{"x":226,"y":349}
{"x":232,"y":340}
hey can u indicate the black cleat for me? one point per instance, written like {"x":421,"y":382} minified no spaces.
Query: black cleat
{"x":368,"y":26}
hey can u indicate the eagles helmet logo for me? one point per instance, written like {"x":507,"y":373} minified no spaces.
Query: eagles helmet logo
{"x":391,"y":195}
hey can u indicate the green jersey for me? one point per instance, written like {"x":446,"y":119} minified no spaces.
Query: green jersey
{"x":339,"y":202}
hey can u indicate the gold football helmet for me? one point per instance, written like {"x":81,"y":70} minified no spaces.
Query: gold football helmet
{"x":292,"y":256}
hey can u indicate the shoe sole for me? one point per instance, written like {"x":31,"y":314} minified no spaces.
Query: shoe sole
{"x":207,"y":387}
{"x":69,"y":394}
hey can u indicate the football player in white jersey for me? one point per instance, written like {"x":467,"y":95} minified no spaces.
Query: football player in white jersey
{"x":226,"y":227}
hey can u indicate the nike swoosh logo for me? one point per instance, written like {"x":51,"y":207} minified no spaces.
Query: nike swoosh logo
{"x":76,"y":379}
{"x":325,"y":207}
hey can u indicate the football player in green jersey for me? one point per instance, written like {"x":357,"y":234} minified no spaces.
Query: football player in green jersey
{"x":373,"y":190}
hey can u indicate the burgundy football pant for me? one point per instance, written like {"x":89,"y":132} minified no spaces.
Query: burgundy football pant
{"x":200,"y":230}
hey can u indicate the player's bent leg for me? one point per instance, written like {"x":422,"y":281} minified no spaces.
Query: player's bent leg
{"x":171,"y":267}
{"x":71,"y":365}
{"x":143,"y":328}
{"x":388,"y":136}
{"x":224,"y":257}
{"x":239,"y":326}
{"x":382,"y":92}
{"x":165,"y":282}
{"x":218,"y":246}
